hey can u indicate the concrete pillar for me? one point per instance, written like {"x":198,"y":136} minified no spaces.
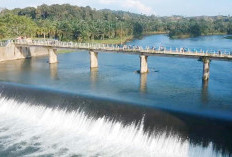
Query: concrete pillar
{"x":143,"y":64}
{"x":93,"y":59}
{"x":206,"y":62}
{"x":52,"y":56}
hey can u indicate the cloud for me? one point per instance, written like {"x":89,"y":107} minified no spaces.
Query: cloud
{"x":107,"y":1}
{"x":139,"y":6}
{"x":130,"y":5}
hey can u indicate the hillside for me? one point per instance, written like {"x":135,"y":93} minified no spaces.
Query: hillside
{"x":67,"y":22}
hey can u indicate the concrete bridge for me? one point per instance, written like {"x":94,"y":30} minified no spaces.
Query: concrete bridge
{"x":51,"y":46}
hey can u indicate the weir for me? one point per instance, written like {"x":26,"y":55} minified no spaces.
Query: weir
{"x":43,"y":109}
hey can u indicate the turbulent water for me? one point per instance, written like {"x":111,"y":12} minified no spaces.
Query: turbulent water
{"x":37,"y":130}
{"x":67,"y":110}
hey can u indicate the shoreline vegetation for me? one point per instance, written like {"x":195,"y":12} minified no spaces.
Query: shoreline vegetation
{"x":185,"y":36}
{"x":83,"y":24}
{"x":228,"y":37}
{"x":154,"y":33}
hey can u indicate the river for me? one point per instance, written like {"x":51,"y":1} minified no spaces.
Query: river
{"x":66,"y":109}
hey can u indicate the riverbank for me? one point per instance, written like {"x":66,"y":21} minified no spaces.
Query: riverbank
{"x":185,"y":36}
{"x":154,"y":33}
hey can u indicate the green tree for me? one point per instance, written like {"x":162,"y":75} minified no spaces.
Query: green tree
{"x":195,"y":29}
{"x":14,"y":26}
{"x":137,"y":29}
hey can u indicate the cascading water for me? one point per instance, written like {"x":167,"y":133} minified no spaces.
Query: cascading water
{"x":35,"y":130}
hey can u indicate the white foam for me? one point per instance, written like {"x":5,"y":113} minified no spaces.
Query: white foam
{"x":60,"y":133}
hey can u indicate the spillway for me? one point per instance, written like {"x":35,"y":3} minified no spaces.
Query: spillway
{"x":42,"y":125}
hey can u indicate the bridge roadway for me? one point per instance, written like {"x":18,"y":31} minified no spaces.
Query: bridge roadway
{"x":93,"y":49}
{"x":124,"y":49}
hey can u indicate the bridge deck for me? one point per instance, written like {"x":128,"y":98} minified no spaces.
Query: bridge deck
{"x":124,"y":49}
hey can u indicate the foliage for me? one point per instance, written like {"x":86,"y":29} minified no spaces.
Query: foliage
{"x":138,"y":29}
{"x":67,"y":22}
{"x":196,"y":26}
{"x":13,"y":25}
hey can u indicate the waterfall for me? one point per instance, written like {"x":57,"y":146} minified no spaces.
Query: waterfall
{"x":34,"y":130}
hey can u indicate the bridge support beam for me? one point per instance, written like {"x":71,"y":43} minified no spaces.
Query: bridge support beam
{"x":52,"y":56}
{"x":93,"y":59}
{"x":206,"y":67}
{"x":143,"y":64}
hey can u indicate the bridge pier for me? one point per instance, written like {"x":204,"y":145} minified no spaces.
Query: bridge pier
{"x":206,"y":67}
{"x":93,"y":59}
{"x":52,"y":56}
{"x":143,"y":64}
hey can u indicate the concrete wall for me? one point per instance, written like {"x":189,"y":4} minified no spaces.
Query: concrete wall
{"x":11,"y":52}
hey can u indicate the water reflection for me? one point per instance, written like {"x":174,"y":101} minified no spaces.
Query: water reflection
{"x":16,"y":65}
{"x":53,"y":71}
{"x":11,"y":70}
{"x":143,"y":83}
{"x":25,"y":64}
{"x":93,"y":76}
{"x":204,"y":92}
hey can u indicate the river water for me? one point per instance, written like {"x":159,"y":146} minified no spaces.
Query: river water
{"x":66,"y":109}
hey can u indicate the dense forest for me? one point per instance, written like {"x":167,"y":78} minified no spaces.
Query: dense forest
{"x":67,"y":22}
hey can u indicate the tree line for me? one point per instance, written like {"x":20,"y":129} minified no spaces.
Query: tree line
{"x":197,"y":26}
{"x":67,"y":22}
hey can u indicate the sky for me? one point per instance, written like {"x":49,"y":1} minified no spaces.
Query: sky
{"x":148,"y":7}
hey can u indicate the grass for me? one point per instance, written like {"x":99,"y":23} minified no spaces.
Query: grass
{"x":154,"y":33}
{"x":184,"y":36}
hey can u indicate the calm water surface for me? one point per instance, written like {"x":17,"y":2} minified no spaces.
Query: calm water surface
{"x":173,"y":84}
{"x":210,"y":43}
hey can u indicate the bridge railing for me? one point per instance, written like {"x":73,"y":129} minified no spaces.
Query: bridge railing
{"x":5,"y":43}
{"x":2,"y":44}
{"x":123,"y":48}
